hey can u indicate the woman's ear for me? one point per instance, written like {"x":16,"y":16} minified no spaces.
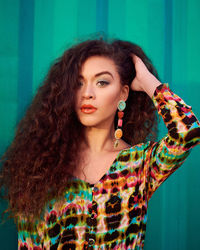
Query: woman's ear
{"x":124,"y":92}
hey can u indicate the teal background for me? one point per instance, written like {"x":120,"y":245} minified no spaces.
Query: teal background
{"x":34,"y":32}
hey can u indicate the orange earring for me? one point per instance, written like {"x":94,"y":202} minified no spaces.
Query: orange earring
{"x":118,"y":132}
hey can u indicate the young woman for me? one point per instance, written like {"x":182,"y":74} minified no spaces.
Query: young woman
{"x":83,"y":164}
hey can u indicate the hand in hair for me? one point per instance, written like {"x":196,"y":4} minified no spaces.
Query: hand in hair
{"x":144,"y":79}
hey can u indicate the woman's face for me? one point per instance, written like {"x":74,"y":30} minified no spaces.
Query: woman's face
{"x":99,"y":92}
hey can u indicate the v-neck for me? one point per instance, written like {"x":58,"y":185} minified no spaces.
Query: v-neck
{"x":106,"y":173}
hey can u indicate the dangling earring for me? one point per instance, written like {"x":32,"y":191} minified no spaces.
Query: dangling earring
{"x":118,"y":132}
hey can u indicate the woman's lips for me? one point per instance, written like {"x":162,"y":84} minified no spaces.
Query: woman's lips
{"x":88,"y":109}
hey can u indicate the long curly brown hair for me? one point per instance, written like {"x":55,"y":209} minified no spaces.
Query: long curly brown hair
{"x":44,"y":152}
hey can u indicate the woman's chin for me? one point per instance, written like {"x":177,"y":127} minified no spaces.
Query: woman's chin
{"x":89,"y":124}
{"x":96,"y":122}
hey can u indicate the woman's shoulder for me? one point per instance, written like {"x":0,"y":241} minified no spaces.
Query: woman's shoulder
{"x":134,"y":151}
{"x":140,"y":145}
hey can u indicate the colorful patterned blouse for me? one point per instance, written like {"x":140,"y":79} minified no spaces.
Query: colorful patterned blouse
{"x":112,"y":214}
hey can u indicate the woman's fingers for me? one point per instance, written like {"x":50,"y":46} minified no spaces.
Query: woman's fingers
{"x":136,"y":58}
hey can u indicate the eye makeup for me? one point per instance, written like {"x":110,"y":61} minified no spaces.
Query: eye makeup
{"x":102,"y":83}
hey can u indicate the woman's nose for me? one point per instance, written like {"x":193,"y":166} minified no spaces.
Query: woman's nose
{"x":88,"y":92}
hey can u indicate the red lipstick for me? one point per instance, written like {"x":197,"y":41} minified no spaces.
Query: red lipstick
{"x":88,"y":109}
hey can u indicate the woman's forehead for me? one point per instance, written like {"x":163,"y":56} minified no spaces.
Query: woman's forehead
{"x":95,"y":64}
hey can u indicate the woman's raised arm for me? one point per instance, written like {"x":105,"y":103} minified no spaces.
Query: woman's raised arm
{"x":164,"y":157}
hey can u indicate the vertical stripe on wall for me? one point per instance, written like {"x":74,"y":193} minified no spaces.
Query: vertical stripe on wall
{"x":85,"y":28}
{"x":9,"y":25}
{"x":102,"y":16}
{"x":63,"y":24}
{"x":116,"y":19}
{"x":26,"y":24}
{"x":43,"y":40}
{"x":168,"y":15}
{"x":193,"y":91}
{"x":180,"y":86}
{"x":174,"y":198}
{"x":155,"y":50}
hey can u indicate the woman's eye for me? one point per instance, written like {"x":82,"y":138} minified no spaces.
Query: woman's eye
{"x":102,"y":83}
{"x":80,"y":84}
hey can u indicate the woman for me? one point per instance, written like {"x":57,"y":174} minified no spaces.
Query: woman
{"x":82,"y":168}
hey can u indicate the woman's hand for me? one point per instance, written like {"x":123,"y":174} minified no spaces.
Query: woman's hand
{"x":144,"y":79}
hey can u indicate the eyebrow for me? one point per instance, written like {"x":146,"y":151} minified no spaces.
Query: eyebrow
{"x":101,"y":73}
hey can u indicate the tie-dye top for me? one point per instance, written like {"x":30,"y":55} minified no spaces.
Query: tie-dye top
{"x":112,"y":214}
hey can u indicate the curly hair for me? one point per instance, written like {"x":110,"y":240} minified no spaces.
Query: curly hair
{"x":43,"y":154}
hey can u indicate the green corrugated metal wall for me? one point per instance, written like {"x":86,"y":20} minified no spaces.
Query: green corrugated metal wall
{"x":34,"y":32}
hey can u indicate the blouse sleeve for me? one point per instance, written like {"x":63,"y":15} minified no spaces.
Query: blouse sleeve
{"x":30,"y":236}
{"x":164,"y":157}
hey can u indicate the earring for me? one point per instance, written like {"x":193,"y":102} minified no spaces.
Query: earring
{"x":118,"y":132}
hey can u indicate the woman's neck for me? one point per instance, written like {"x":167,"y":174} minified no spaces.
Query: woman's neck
{"x":99,"y":139}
